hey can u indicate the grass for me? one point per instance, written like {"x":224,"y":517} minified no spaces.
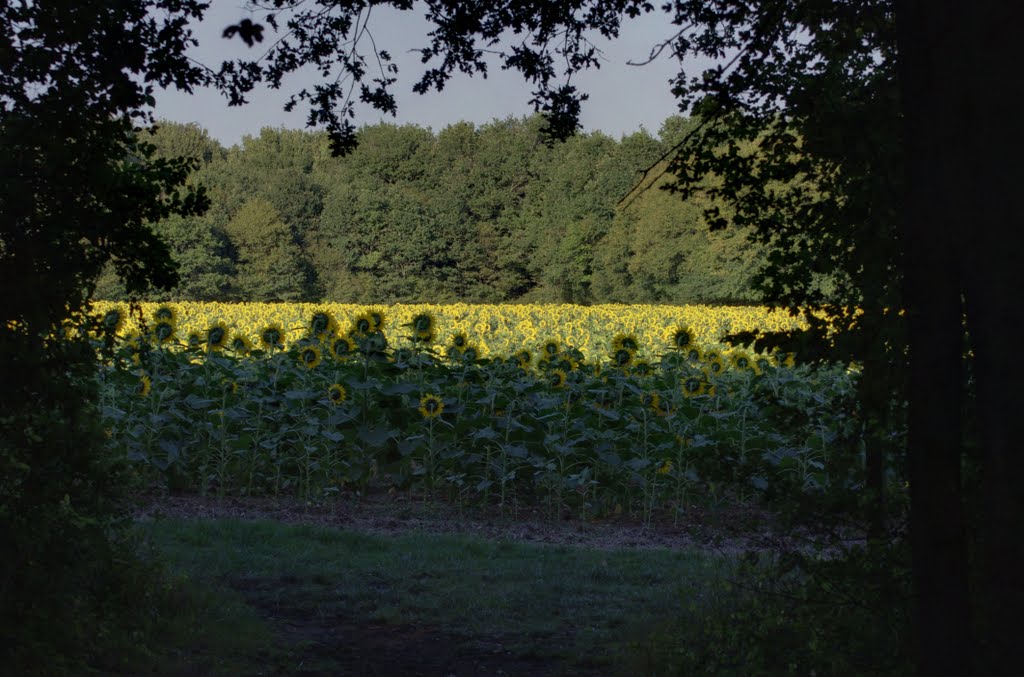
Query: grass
{"x":262,"y":597}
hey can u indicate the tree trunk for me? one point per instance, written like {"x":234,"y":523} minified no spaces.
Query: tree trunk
{"x":994,"y":300}
{"x":929,"y":76}
{"x":961,"y":79}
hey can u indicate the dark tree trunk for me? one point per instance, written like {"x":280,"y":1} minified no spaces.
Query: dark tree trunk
{"x":929,"y":76}
{"x":994,"y":300}
{"x":962,"y":81}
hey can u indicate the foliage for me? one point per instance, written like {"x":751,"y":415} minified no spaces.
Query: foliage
{"x":79,"y":190}
{"x":476,"y":214}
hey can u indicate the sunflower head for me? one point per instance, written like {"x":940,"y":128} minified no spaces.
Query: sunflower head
{"x":694,"y":386}
{"x":423,"y":328}
{"x":642,"y":368}
{"x":713,"y":362}
{"x":240,"y":344}
{"x":163,"y":330}
{"x":194,"y":340}
{"x":625,"y":342}
{"x":551,"y":348}
{"x":651,"y":399}
{"x":378,"y":318}
{"x":682,"y":338}
{"x":272,"y":336}
{"x":523,"y":357}
{"x":470,"y":354}
{"x":217,"y":336}
{"x":622,"y":357}
{"x":341,"y":347}
{"x":665,"y":468}
{"x":363,"y":325}
{"x":460,"y":341}
{"x":336,"y":393}
{"x":165,"y":313}
{"x":113,"y":320}
{"x":431,"y":406}
{"x":557,"y":378}
{"x":693,"y":354}
{"x":309,"y":356}
{"x":321,"y":324}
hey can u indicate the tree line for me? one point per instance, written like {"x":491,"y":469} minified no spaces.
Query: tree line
{"x":484,"y":214}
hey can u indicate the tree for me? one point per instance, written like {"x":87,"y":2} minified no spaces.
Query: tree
{"x":269,"y":261}
{"x":886,"y":147}
{"x":79,"y":190}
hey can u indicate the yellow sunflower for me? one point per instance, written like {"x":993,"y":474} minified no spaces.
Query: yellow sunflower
{"x":625,"y":342}
{"x":431,"y":406}
{"x":682,"y":338}
{"x":163,"y":331}
{"x":240,"y":344}
{"x":113,"y":320}
{"x":272,"y":336}
{"x":165,"y":313}
{"x":694,"y":386}
{"x":557,"y":378}
{"x":363,"y":325}
{"x":341,"y":347}
{"x":665,"y":468}
{"x":322,"y":324}
{"x":217,"y":335}
{"x":743,"y":361}
{"x":310,"y":357}
{"x":336,"y":393}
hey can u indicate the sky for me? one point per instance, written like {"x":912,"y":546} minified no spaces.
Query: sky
{"x":623,"y":98}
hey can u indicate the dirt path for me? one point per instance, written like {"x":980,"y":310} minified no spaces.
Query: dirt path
{"x":724,"y":530}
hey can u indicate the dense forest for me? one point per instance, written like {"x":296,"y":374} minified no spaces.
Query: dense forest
{"x":480,"y":214}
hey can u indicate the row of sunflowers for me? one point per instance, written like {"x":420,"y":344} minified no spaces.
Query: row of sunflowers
{"x":609,"y":409}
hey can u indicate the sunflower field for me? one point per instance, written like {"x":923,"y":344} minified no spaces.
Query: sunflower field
{"x":595,"y":410}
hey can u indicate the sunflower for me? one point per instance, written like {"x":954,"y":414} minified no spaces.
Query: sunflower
{"x":113,"y":320}
{"x":272,"y":336}
{"x":310,"y":356}
{"x":217,"y":335}
{"x":557,"y":378}
{"x":625,"y":342}
{"x":194,"y":340}
{"x":363,"y":325}
{"x":551,"y":348}
{"x":470,"y":353}
{"x":523,"y":357}
{"x":695,"y":386}
{"x":423,"y":328}
{"x":642,"y":368}
{"x":322,"y":324}
{"x":240,"y":344}
{"x":789,"y":360}
{"x":742,"y":361}
{"x":460,"y":341}
{"x":341,"y":347}
{"x":694,"y":354}
{"x":165,"y":313}
{"x":163,"y":331}
{"x":378,"y":317}
{"x":682,"y":338}
{"x":665,"y":468}
{"x":622,"y":357}
{"x":145,"y":385}
{"x":431,"y":406}
{"x":336,"y":393}
{"x":714,"y":363}
{"x":652,"y":400}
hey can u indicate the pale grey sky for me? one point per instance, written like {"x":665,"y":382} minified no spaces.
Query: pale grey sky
{"x":623,"y":98}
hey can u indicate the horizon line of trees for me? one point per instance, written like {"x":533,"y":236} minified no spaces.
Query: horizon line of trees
{"x":481,"y":214}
